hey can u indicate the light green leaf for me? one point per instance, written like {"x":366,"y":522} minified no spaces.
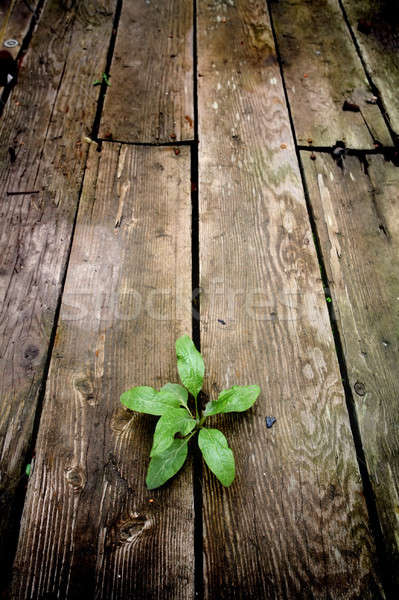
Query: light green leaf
{"x":147,"y":400}
{"x":164,"y":466}
{"x":175,"y":420}
{"x":217,"y":455}
{"x":190,"y":365}
{"x":174,"y":390}
{"x":236,"y":399}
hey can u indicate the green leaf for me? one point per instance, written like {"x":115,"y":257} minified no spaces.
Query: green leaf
{"x":145,"y":399}
{"x":217,"y":455}
{"x":164,"y":466}
{"x":105,"y":78}
{"x":190,"y":365}
{"x":176,"y":420}
{"x":28,"y":469}
{"x":236,"y":399}
{"x":175,"y":391}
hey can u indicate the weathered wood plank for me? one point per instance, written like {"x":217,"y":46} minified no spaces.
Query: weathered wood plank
{"x":15,"y":20}
{"x":375,"y":26}
{"x":322,"y":70}
{"x":42,"y":155}
{"x":90,"y":528}
{"x":294,"y":523}
{"x":358,"y":223}
{"x":151,"y":96}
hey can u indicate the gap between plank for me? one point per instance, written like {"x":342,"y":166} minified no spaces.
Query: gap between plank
{"x":390,"y":153}
{"x":104,"y":86}
{"x":101,"y":141}
{"x":196,"y":324}
{"x":375,"y":526}
{"x":196,"y":333}
{"x":374,"y":88}
{"x":384,"y":150}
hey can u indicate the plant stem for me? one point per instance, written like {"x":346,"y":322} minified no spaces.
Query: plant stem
{"x":188,"y":409}
{"x":188,"y":438}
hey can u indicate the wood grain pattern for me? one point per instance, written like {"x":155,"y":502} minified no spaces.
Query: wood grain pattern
{"x":90,"y":528}
{"x":358,"y":223}
{"x":44,"y":123}
{"x":375,"y":26}
{"x":322,"y":70}
{"x":151,"y":96}
{"x":294,"y":523}
{"x":16,"y":25}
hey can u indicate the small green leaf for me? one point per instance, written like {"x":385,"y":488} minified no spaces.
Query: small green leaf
{"x":217,"y":455}
{"x":28,"y":469}
{"x":236,"y":399}
{"x":147,"y":400}
{"x":164,"y":466}
{"x":105,"y":78}
{"x":190,"y":365}
{"x":175,"y":391}
{"x":175,"y":420}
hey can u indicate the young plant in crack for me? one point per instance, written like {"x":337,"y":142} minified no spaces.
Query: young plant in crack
{"x":178,"y":424}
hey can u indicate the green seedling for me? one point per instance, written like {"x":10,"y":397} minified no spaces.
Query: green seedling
{"x":178,"y":424}
{"x":105,"y":78}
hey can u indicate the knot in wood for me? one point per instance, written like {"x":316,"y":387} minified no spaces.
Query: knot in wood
{"x":130,"y":529}
{"x":31,"y":352}
{"x":76,"y":478}
{"x":85,"y":387}
{"x":360,"y":388}
{"x":121,"y":417}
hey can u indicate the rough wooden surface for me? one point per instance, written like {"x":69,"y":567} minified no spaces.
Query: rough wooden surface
{"x":358,"y":223}
{"x":375,"y":24}
{"x":42,"y":155}
{"x":90,"y":527}
{"x":294,"y":523}
{"x":151,"y":93}
{"x":15,"y":25}
{"x":322,"y":70}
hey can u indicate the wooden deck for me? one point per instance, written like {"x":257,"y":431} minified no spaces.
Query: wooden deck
{"x":234,"y":176}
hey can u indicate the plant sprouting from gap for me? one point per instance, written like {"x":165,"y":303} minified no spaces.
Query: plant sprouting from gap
{"x":105,"y":78}
{"x":178,"y":424}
